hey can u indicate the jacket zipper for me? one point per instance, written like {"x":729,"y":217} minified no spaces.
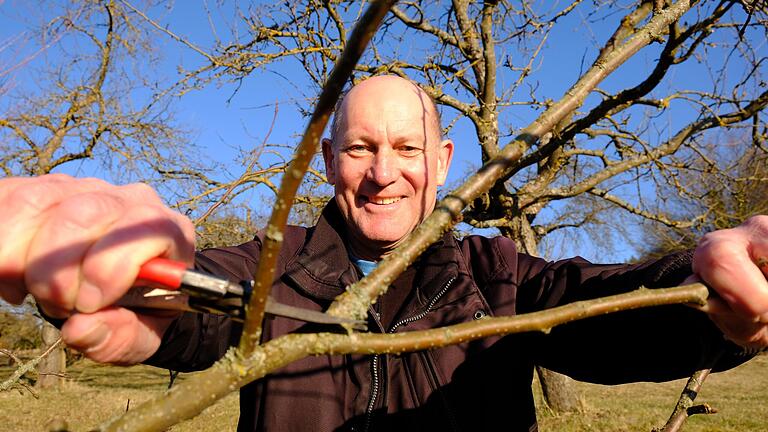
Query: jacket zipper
{"x":376,"y":383}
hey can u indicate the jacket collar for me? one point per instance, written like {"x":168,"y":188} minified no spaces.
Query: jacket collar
{"x":322,"y":269}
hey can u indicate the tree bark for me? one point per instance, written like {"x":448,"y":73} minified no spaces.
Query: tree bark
{"x":558,"y":390}
{"x":52,"y":367}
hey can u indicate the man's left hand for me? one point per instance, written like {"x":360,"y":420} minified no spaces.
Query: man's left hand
{"x":734,"y":263}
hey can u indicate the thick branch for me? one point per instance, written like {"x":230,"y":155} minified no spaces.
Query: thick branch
{"x":669,"y":147}
{"x":273,"y":239}
{"x":488,"y":127}
{"x":355,"y":301}
{"x":469,"y":45}
{"x":626,"y":97}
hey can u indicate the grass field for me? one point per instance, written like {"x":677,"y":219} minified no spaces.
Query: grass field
{"x":95,"y":393}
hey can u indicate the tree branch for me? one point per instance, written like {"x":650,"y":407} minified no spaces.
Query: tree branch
{"x":26,"y":367}
{"x":657,"y":217}
{"x":355,"y":301}
{"x":273,"y":239}
{"x":236,"y":370}
{"x":684,"y":407}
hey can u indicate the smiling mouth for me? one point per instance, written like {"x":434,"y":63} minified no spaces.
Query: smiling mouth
{"x":383,"y":201}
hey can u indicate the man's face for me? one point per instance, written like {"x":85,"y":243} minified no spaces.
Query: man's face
{"x":386,"y":164}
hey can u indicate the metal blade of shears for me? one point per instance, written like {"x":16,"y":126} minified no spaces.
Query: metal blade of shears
{"x":168,"y":284}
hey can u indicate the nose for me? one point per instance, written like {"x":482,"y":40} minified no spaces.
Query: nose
{"x":384,"y":168}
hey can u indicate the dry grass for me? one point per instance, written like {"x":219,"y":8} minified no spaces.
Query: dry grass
{"x":94,"y":393}
{"x":738,"y":394}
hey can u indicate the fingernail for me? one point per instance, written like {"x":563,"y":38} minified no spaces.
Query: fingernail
{"x":92,"y":338}
{"x":89,"y":298}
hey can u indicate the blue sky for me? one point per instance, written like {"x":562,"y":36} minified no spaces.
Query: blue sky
{"x":222,"y":121}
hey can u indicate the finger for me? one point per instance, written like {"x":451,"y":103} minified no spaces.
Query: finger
{"x":140,"y":192}
{"x":24,"y":203}
{"x":112,"y":263}
{"x":724,"y":262}
{"x":741,"y":331}
{"x":60,"y":243}
{"x":119,"y":228}
{"x":115,"y":335}
{"x":25,"y":200}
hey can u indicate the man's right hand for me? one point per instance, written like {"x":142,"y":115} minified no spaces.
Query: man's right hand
{"x":76,"y":245}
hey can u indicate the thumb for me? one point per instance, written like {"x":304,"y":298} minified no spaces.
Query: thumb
{"x":115,"y":335}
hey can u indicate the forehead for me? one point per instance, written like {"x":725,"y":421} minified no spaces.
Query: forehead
{"x":391,"y":106}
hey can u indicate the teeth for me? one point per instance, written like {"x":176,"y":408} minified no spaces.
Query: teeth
{"x":385,"y":201}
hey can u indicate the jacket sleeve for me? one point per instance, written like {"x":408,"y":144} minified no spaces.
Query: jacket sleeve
{"x":650,"y":344}
{"x":194,"y":341}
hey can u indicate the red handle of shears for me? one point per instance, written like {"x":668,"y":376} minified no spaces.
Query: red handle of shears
{"x":165,"y":272}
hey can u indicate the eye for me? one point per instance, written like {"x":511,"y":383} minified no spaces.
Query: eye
{"x":408,"y":150}
{"x":356,"y":149}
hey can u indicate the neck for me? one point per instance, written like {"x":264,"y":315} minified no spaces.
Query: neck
{"x":367,"y":253}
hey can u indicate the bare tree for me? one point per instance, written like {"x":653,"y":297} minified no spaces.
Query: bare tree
{"x":481,"y":61}
{"x":550,"y":161}
{"x":724,"y":192}
{"x":89,"y":104}
{"x":534,"y":144}
{"x":101,"y":106}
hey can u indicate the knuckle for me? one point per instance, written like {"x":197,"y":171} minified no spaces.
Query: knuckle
{"x":87,"y":210}
{"x":58,"y":177}
{"x":56,"y":289}
{"x":186,"y":226}
{"x":31,"y":198}
{"x":140,"y":192}
{"x":53,"y":178}
{"x":704,"y":257}
{"x":758,"y":225}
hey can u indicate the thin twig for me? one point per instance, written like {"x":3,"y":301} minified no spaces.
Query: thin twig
{"x":685,"y":407}
{"x":26,"y":367}
{"x":247,"y":174}
{"x":173,"y":35}
{"x":11,"y":355}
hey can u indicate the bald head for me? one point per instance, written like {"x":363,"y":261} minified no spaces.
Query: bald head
{"x":386,"y":162}
{"x":386,"y":86}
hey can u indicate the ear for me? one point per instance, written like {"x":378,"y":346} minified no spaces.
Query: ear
{"x":444,"y":157}
{"x":329,"y":158}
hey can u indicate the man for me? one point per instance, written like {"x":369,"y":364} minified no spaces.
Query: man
{"x":76,"y":245}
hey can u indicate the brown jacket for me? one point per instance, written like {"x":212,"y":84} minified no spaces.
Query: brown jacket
{"x":480,"y":385}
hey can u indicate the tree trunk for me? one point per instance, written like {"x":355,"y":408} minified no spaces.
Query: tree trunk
{"x":558,"y":390}
{"x":51,"y":369}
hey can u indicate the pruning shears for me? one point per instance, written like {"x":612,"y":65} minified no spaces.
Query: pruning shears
{"x":166,"y":284}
